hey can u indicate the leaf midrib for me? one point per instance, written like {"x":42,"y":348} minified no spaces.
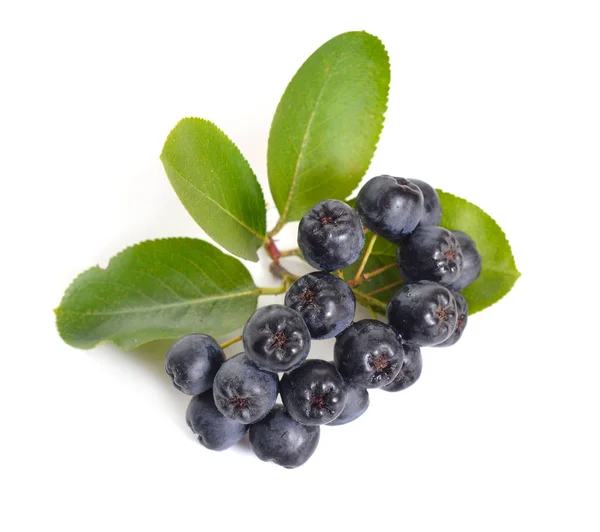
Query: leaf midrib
{"x":296,"y":174}
{"x":180,"y":176}
{"x":165,"y":306}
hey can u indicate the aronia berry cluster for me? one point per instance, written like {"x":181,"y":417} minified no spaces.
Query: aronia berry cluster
{"x":240,"y":394}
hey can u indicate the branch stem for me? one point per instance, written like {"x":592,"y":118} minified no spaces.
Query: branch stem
{"x":369,"y":275}
{"x":365,"y":258}
{"x":290,"y":253}
{"x":274,"y":290}
{"x":272,"y":250}
{"x":278,"y":227}
{"x":386,"y":287}
{"x":234,"y":340}
{"x":371,"y":300}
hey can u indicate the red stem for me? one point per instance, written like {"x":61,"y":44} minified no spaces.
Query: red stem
{"x":273,"y":250}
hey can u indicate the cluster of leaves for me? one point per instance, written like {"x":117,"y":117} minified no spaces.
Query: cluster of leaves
{"x":322,"y":139}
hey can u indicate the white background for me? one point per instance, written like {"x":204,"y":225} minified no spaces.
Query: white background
{"x":494,"y":101}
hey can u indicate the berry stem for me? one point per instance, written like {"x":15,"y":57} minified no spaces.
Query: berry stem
{"x":273,"y":291}
{"x":340,"y":274}
{"x":371,"y":300}
{"x":386,"y":287}
{"x":371,"y":311}
{"x":365,"y":258}
{"x":369,"y":275}
{"x":290,"y":253}
{"x":234,"y":340}
{"x":377,"y":271}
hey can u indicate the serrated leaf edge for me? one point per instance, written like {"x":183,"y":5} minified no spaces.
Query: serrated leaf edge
{"x":58,"y":310}
{"x":283,"y":216}
{"x":263,"y":238}
{"x":516,"y":274}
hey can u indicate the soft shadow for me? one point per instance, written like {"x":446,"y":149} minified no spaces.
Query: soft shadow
{"x":243,"y":446}
{"x":151,"y":358}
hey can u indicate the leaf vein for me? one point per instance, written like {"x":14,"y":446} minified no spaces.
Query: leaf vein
{"x":166,"y":306}
{"x":226,"y":211}
{"x":295,"y":176}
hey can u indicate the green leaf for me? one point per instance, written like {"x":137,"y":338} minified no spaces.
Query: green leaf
{"x":327,"y":124}
{"x":216,"y":185}
{"x":498,"y":274}
{"x":154,"y":290}
{"x":499,"y":271}
{"x":382,"y":286}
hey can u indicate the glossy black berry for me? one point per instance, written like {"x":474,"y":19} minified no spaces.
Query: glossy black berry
{"x":430,"y":253}
{"x":369,"y":354}
{"x":330,"y":235}
{"x":276,"y":338}
{"x":279,"y":439}
{"x":461,"y":322}
{"x":193,"y":361}
{"x":423,"y":313}
{"x":244,"y":392}
{"x":214,"y":430}
{"x":313,"y":393}
{"x":357,"y":402}
{"x":390,"y":206}
{"x":432,"y":212}
{"x":471,"y":261}
{"x":325,"y":302}
{"x":410,"y":372}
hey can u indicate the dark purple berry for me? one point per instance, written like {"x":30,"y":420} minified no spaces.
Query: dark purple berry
{"x":410,"y":372}
{"x":193,"y":361}
{"x":330,"y":235}
{"x":214,"y":430}
{"x":471,"y":262}
{"x":325,"y":302}
{"x":432,"y":214}
{"x":390,"y":206}
{"x":430,"y":253}
{"x":276,"y":338}
{"x":423,"y":313}
{"x":461,"y":322}
{"x":313,"y":393}
{"x":279,"y":439}
{"x":357,"y":402}
{"x":368,"y":354}
{"x":244,"y":392}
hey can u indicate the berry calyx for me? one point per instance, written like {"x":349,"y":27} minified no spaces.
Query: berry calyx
{"x":430,"y":253}
{"x":325,"y":302}
{"x":368,"y":354}
{"x":313,"y":393}
{"x":242,"y":391}
{"x":276,"y":338}
{"x":330,"y":235}
{"x":423,"y":313}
